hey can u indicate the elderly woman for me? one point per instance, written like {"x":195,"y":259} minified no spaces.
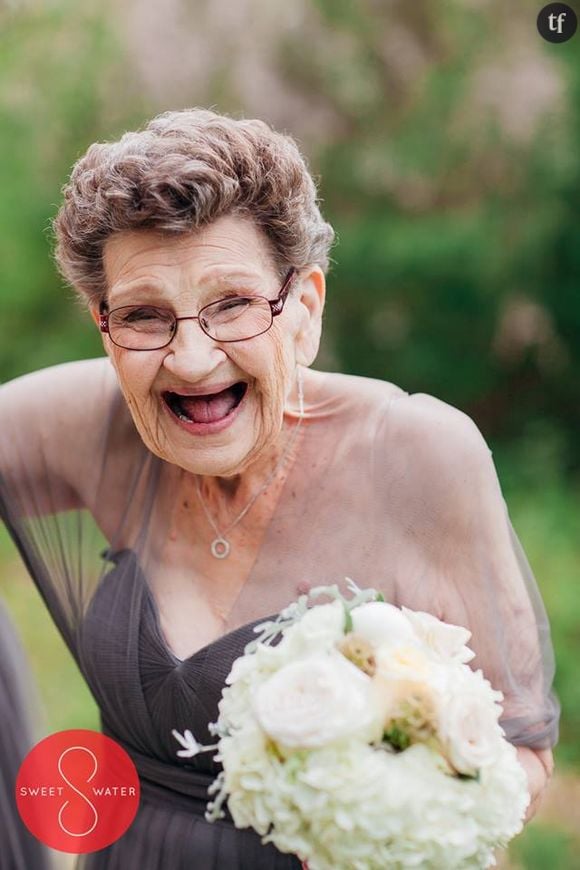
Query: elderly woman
{"x":170,"y":496}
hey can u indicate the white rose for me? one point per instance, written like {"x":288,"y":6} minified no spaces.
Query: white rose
{"x":404,"y":662}
{"x":318,"y":630}
{"x":322,"y":624}
{"x":469,"y":729}
{"x":445,"y":639}
{"x":317,"y":700}
{"x":382,"y":623}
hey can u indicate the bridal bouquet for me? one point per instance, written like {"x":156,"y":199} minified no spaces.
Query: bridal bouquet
{"x":362,"y":739}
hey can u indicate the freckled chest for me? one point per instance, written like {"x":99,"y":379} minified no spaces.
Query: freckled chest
{"x":196,"y":593}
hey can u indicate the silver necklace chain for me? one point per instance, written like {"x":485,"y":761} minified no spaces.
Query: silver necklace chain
{"x":220,"y":546}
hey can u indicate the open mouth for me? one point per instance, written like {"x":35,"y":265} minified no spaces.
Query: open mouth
{"x":208,"y":408}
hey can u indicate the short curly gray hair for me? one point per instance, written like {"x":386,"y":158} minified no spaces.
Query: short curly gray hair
{"x":182,"y":171}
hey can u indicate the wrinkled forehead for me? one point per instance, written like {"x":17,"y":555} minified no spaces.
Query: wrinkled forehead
{"x":229,"y":251}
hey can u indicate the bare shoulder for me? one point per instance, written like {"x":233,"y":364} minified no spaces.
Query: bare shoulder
{"x":92,"y":372}
{"x":441,"y":455}
{"x":61,"y":391}
{"x":431,"y":426}
{"x":356,"y":389}
{"x":59,"y":408}
{"x":51,"y":426}
{"x":419,"y":425}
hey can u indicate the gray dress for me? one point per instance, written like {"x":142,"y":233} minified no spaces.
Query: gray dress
{"x":19,"y":850}
{"x":396,"y":491}
{"x":155,"y":693}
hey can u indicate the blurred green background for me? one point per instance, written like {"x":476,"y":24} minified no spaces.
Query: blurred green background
{"x":446,"y":136}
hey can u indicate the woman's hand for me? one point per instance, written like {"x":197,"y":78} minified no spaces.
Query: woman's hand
{"x":539,"y":766}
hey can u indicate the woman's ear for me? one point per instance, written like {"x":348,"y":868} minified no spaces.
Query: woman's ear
{"x":95,"y":313}
{"x":98,"y":308}
{"x":312,"y":295}
{"x":95,"y":310}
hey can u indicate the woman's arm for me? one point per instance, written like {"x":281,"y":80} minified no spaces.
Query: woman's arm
{"x":539,"y":766}
{"x":471,"y":569}
{"x":50,"y":422}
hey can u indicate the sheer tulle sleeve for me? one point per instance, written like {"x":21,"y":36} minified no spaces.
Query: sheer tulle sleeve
{"x":64,"y":488}
{"x":468,"y":565}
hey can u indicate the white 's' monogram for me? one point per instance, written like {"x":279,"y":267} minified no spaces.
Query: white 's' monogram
{"x":84,"y":797}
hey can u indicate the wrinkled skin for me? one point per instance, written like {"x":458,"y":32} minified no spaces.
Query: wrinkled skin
{"x":185,"y":273}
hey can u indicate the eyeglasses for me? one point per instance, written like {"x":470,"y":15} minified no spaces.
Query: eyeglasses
{"x":233,"y":318}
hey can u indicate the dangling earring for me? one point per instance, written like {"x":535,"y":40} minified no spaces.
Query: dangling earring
{"x":300,"y":385}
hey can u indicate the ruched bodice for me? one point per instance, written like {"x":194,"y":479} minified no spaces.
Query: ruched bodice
{"x":143,"y":692}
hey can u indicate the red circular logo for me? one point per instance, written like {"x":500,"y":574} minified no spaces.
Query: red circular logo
{"x":77,"y":791}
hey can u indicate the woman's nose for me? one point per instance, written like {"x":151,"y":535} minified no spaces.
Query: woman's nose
{"x":192,"y":354}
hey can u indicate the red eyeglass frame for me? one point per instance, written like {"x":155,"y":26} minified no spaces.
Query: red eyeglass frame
{"x":276,"y":307}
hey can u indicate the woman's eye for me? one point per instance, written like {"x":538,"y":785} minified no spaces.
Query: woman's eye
{"x":139,"y":315}
{"x":234,"y":303}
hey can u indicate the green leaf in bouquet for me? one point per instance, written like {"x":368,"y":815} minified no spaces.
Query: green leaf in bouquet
{"x":397,"y":738}
{"x":474,"y":776}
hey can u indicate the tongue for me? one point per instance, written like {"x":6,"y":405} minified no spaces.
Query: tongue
{"x":208,"y":409}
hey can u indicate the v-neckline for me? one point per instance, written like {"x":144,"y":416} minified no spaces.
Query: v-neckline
{"x":155,"y":607}
{"x":116,"y":557}
{"x":202,"y":651}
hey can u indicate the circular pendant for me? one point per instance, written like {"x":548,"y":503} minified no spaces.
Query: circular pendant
{"x":220,"y":548}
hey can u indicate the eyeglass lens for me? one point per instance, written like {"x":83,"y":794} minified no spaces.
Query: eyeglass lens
{"x":139,"y":327}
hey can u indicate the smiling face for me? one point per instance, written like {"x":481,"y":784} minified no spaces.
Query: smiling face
{"x":245,"y":384}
